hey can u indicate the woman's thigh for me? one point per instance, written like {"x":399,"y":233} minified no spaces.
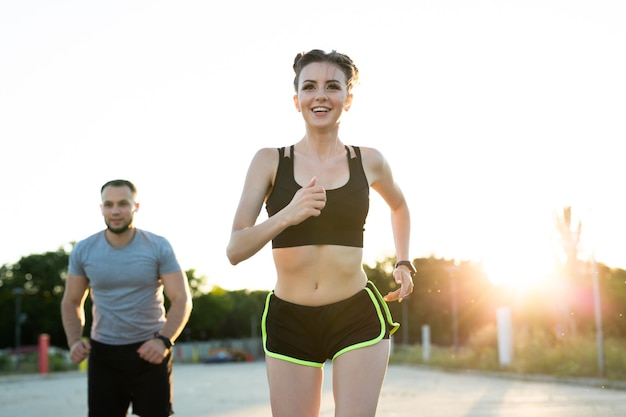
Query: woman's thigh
{"x":295,"y":390}
{"x":358,"y":378}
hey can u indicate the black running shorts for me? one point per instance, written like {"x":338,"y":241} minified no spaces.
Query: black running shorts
{"x":311,"y":335}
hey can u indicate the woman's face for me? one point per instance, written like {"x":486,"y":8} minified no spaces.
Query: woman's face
{"x":322,"y":94}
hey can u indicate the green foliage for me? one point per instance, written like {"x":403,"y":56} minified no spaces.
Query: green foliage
{"x":29,"y":362}
{"x":221,"y":314}
{"x":196,"y":283}
{"x":5,"y":363}
{"x":614,"y":302}
{"x":41,"y":277}
{"x":209,"y":313}
{"x":615,"y":357}
{"x":438,"y":284}
{"x":535,"y":352}
{"x":539,"y":352}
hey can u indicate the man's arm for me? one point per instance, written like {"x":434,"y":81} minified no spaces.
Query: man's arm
{"x":176,"y":289}
{"x":73,"y":316}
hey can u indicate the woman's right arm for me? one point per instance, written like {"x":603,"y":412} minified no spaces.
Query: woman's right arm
{"x":247,"y":237}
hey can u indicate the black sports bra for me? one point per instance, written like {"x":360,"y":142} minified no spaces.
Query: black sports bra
{"x":342,"y":219}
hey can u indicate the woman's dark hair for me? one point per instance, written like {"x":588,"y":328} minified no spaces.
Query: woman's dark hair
{"x":317,"y":55}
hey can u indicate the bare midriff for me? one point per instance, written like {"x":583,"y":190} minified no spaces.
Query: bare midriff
{"x":316,"y":275}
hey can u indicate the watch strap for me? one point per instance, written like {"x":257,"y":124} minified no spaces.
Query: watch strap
{"x":409,"y":265}
{"x":167,"y":342}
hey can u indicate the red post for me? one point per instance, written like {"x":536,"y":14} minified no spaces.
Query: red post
{"x":44,"y":344}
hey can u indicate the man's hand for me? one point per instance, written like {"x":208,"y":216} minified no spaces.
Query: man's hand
{"x":79,"y":351}
{"x":153,"y":351}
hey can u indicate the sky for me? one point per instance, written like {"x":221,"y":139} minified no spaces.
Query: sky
{"x":494,"y":115}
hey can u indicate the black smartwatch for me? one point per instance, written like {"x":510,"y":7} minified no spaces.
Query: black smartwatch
{"x":409,"y":265}
{"x":167,"y":342}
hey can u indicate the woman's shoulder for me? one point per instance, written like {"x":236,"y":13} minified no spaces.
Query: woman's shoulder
{"x":374,"y":163}
{"x":265,"y":156}
{"x":371,"y":155}
{"x":269,"y":152}
{"x":264,"y":164}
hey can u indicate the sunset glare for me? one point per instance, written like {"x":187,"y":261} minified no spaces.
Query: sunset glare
{"x":493,"y":115}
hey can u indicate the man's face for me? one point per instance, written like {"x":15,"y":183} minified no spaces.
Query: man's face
{"x":118,"y":208}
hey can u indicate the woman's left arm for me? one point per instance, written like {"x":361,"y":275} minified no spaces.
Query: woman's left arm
{"x":381,"y":180}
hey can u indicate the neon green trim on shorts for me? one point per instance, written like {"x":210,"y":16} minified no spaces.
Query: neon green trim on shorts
{"x":384,"y":315}
{"x":367,"y":342}
{"x":395,"y":326}
{"x":277,"y":355}
{"x":378,"y":301}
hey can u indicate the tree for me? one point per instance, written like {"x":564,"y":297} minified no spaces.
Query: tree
{"x":221,"y":314}
{"x":196,"y":283}
{"x":433,"y":296}
{"x":42,"y":279}
{"x":613,"y":294}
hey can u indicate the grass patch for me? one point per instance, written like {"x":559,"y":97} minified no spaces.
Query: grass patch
{"x":58,"y":361}
{"x":533,"y":353}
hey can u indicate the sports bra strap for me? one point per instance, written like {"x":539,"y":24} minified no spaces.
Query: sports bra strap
{"x":357,"y":151}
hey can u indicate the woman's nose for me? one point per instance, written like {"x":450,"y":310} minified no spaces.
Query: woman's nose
{"x":320,"y":95}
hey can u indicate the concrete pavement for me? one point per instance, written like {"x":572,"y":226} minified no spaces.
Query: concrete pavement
{"x":240,"y":390}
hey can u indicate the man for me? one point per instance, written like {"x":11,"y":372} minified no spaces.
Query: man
{"x":126,"y":270}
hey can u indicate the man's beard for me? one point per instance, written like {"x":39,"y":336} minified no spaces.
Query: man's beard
{"x":118,"y":230}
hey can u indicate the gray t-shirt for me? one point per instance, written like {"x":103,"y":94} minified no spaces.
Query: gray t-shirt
{"x":125,"y":284}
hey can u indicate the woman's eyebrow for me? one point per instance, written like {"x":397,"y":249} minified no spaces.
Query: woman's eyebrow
{"x":327,"y":82}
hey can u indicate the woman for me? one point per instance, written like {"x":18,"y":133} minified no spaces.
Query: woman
{"x":317,"y":198}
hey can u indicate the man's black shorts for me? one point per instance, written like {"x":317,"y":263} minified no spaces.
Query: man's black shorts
{"x":119,"y":377}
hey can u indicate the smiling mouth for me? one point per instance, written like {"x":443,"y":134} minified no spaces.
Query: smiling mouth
{"x":320,"y":110}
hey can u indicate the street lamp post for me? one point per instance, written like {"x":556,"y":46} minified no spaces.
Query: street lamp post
{"x":454,"y":307}
{"x":598,"y":317}
{"x":18,"y":292}
{"x":597,"y":307}
{"x":405,"y":322}
{"x":455,"y":314}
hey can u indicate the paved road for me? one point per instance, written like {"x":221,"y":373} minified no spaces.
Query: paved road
{"x":240,"y":390}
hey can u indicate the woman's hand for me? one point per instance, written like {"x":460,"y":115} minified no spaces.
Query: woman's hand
{"x":308,"y":201}
{"x":402,"y":276}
